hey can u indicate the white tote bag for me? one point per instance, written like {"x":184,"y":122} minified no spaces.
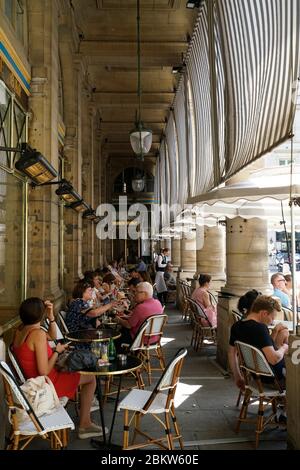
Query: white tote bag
{"x":42,"y":396}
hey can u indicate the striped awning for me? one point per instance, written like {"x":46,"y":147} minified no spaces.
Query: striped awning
{"x":260,"y":42}
{"x":237,"y":100}
{"x":242,"y":64}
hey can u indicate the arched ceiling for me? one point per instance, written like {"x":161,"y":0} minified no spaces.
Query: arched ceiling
{"x":108,"y":42}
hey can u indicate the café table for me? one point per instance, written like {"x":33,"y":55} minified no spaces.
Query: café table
{"x":117,"y":367}
{"x":92,"y":335}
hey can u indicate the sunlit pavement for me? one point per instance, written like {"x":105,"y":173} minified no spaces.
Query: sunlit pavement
{"x":205,"y":401}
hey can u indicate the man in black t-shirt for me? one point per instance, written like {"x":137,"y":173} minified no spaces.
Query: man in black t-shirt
{"x":254,"y":330}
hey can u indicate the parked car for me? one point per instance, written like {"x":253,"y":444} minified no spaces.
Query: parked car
{"x":283,"y":257}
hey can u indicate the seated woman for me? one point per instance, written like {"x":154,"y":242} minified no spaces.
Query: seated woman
{"x":31,"y":348}
{"x":80,"y":315}
{"x":246,"y":301}
{"x":93,"y":278}
{"x":201,"y":296}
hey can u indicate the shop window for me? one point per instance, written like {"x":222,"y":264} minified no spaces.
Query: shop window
{"x":12,"y":209}
{"x":5,"y":123}
{"x":15,"y":12}
{"x":9,"y":9}
{"x":11,"y":245}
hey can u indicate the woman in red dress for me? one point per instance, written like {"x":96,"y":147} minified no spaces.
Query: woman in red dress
{"x":31,"y":348}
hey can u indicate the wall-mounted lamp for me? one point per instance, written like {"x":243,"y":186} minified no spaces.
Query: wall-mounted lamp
{"x":68,"y":193}
{"x":194,"y":3}
{"x":89,"y":214}
{"x":79,"y":206}
{"x":33,"y":164}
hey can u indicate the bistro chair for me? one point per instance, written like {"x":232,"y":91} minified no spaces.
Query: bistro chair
{"x":152,"y":327}
{"x":62,"y":321}
{"x":21,"y":376}
{"x":186,"y":292}
{"x":157,"y":402}
{"x":200,"y":331}
{"x":236,"y":316}
{"x":255,"y":366}
{"x":16,"y":366}
{"x":54,"y":426}
{"x":59,"y":333}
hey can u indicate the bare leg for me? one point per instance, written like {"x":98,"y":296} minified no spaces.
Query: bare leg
{"x":88,"y":387}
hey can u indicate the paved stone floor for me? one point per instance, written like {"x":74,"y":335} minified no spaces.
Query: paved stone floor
{"x":207,"y":395}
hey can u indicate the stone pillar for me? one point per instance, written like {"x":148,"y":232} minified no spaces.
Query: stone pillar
{"x":166,"y":243}
{"x":292,"y":361}
{"x":73,"y":72}
{"x":176,"y":252}
{"x":188,"y":255}
{"x":98,"y":258}
{"x":247,"y":256}
{"x":43,"y":208}
{"x":211,"y":256}
{"x":247,"y":268}
{"x":88,"y":170}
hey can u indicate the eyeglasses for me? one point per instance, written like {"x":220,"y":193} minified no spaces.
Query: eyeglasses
{"x":140,"y":292}
{"x":280,"y":280}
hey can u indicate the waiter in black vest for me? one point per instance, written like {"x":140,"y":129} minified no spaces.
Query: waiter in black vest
{"x":160,"y":266}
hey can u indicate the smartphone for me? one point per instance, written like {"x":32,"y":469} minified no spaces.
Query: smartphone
{"x":65,"y":341}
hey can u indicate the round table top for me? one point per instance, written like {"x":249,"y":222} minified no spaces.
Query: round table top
{"x":116,"y":367}
{"x":92,"y":335}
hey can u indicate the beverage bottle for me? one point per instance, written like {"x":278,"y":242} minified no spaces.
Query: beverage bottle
{"x":111,"y":350}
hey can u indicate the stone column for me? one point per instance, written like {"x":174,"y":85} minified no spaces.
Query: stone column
{"x":292,"y":361}
{"x":73,"y":72}
{"x":247,"y":268}
{"x":98,"y":259}
{"x":247,"y":256}
{"x":176,"y":252}
{"x":211,"y":256}
{"x":43,"y":209}
{"x":188,"y":255}
{"x":166,"y":243}
{"x":88,"y":170}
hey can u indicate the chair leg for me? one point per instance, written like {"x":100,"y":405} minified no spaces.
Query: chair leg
{"x":148,"y":367}
{"x":15,"y":443}
{"x":161,"y":358}
{"x":137,"y":420}
{"x":126,"y":429}
{"x":239,"y":399}
{"x":168,"y":432}
{"x":139,"y":380}
{"x":176,"y":427}
{"x":244,"y":409}
{"x":260,"y":421}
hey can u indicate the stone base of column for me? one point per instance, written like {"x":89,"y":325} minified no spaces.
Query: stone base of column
{"x":292,"y":361}
{"x":225,"y":321}
{"x":241,"y":290}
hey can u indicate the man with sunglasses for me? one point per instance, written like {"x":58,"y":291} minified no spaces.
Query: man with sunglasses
{"x":278,"y":282}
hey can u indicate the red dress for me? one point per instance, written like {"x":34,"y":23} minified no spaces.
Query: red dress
{"x":65,"y":383}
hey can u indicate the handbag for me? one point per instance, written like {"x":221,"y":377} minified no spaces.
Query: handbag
{"x":81,"y":359}
{"x":41,"y":395}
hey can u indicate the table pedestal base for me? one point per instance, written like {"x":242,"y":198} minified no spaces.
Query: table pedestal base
{"x":100,"y":445}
